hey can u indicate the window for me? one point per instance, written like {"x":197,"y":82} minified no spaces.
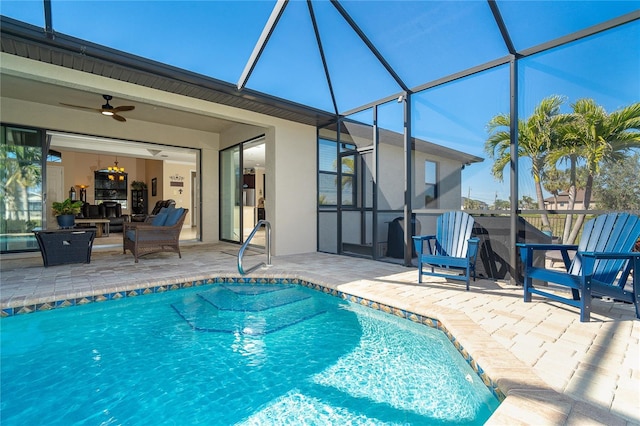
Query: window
{"x":430,"y":184}
{"x":54,"y":156}
{"x":328,"y":173}
{"x":348,"y":184}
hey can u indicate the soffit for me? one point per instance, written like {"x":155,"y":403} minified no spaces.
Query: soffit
{"x":51,"y":94}
{"x":27,"y":41}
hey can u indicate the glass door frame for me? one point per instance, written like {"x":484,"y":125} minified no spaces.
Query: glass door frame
{"x":230,"y":190}
{"x":24,"y":241}
{"x":365,"y":199}
{"x":233,"y":188}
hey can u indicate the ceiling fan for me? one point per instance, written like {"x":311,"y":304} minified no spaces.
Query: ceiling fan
{"x":107,"y":109}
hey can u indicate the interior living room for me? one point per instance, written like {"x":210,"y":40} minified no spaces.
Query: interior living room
{"x":127,"y":176}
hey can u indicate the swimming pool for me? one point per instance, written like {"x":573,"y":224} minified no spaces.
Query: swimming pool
{"x":234,"y":354}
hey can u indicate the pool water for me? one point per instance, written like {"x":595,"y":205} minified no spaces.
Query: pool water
{"x":233,"y":354}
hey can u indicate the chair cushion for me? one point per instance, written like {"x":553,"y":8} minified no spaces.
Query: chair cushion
{"x":174,"y":216}
{"x":160,"y":218}
{"x":131,"y":235}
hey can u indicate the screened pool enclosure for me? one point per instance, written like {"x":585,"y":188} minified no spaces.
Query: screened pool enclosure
{"x":523,"y":113}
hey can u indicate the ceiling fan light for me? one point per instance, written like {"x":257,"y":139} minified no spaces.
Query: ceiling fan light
{"x":107,"y":113}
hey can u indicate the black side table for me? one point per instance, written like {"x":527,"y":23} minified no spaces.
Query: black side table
{"x":62,"y":246}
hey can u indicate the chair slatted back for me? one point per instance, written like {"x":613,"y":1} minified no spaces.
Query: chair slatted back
{"x":454,"y":231}
{"x":609,"y":233}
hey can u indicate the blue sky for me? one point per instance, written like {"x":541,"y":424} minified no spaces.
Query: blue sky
{"x":422,"y":40}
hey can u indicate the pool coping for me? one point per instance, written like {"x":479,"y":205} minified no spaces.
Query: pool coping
{"x":513,"y":383}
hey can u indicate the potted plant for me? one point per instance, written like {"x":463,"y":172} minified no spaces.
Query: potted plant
{"x":66,"y":212}
{"x":138,"y":185}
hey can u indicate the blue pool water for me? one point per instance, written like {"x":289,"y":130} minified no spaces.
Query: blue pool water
{"x":233,"y":354}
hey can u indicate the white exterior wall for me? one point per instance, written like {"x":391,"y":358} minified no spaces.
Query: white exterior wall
{"x":290,"y":202}
{"x":391,"y":179}
{"x":295,"y":202}
{"x":449,"y":182}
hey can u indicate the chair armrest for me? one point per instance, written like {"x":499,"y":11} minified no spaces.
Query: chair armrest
{"x":603,"y":255}
{"x":527,"y":249}
{"x":419,"y":239}
{"x":142,"y":230}
{"x":423,"y":237}
{"x":131,"y":225}
{"x":142,"y":226}
{"x":472,"y":251}
{"x":589,"y":259}
{"x":536,"y":246}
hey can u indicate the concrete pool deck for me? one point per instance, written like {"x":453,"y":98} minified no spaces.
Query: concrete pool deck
{"x":553,"y":369}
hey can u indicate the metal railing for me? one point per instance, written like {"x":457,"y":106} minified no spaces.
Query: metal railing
{"x":267,"y":226}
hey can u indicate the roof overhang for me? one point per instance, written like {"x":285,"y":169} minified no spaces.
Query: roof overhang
{"x":28,"y":41}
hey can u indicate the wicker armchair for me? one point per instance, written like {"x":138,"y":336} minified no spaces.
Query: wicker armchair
{"x":152,"y":236}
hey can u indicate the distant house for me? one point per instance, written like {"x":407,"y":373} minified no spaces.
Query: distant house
{"x":561,"y":201}
{"x":471,"y":204}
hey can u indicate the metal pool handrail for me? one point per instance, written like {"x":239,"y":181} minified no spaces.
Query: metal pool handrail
{"x":267,"y":226}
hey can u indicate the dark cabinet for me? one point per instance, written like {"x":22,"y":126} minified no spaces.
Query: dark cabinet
{"x":111,"y":187}
{"x":139,"y":201}
{"x":249,"y":181}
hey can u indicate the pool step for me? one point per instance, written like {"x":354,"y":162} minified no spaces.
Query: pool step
{"x":252,"y":310}
{"x":244,"y":298}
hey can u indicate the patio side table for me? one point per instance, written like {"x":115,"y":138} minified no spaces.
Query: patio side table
{"x":62,"y":246}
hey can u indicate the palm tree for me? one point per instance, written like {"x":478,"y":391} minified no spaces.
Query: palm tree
{"x":527,"y":202}
{"x":592,"y":137}
{"x":21,"y":171}
{"x":348,"y":170}
{"x":555,"y":181}
{"x":536,"y":136}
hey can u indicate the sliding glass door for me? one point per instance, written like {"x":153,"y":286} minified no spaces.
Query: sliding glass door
{"x":21,"y":195}
{"x":242,"y":191}
{"x":230,"y":194}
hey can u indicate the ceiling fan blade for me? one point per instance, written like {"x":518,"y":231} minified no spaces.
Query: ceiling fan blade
{"x":124,"y":108}
{"x":106,"y":109}
{"x":81,"y":107}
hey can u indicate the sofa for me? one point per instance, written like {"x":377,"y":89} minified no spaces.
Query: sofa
{"x":92,"y":211}
{"x":113,"y":212}
{"x":159,"y":205}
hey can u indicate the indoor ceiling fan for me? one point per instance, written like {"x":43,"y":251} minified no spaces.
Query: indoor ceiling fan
{"x":106,"y":109}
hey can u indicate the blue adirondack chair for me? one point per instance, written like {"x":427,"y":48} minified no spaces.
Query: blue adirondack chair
{"x":600,"y":267}
{"x":451,"y":248}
